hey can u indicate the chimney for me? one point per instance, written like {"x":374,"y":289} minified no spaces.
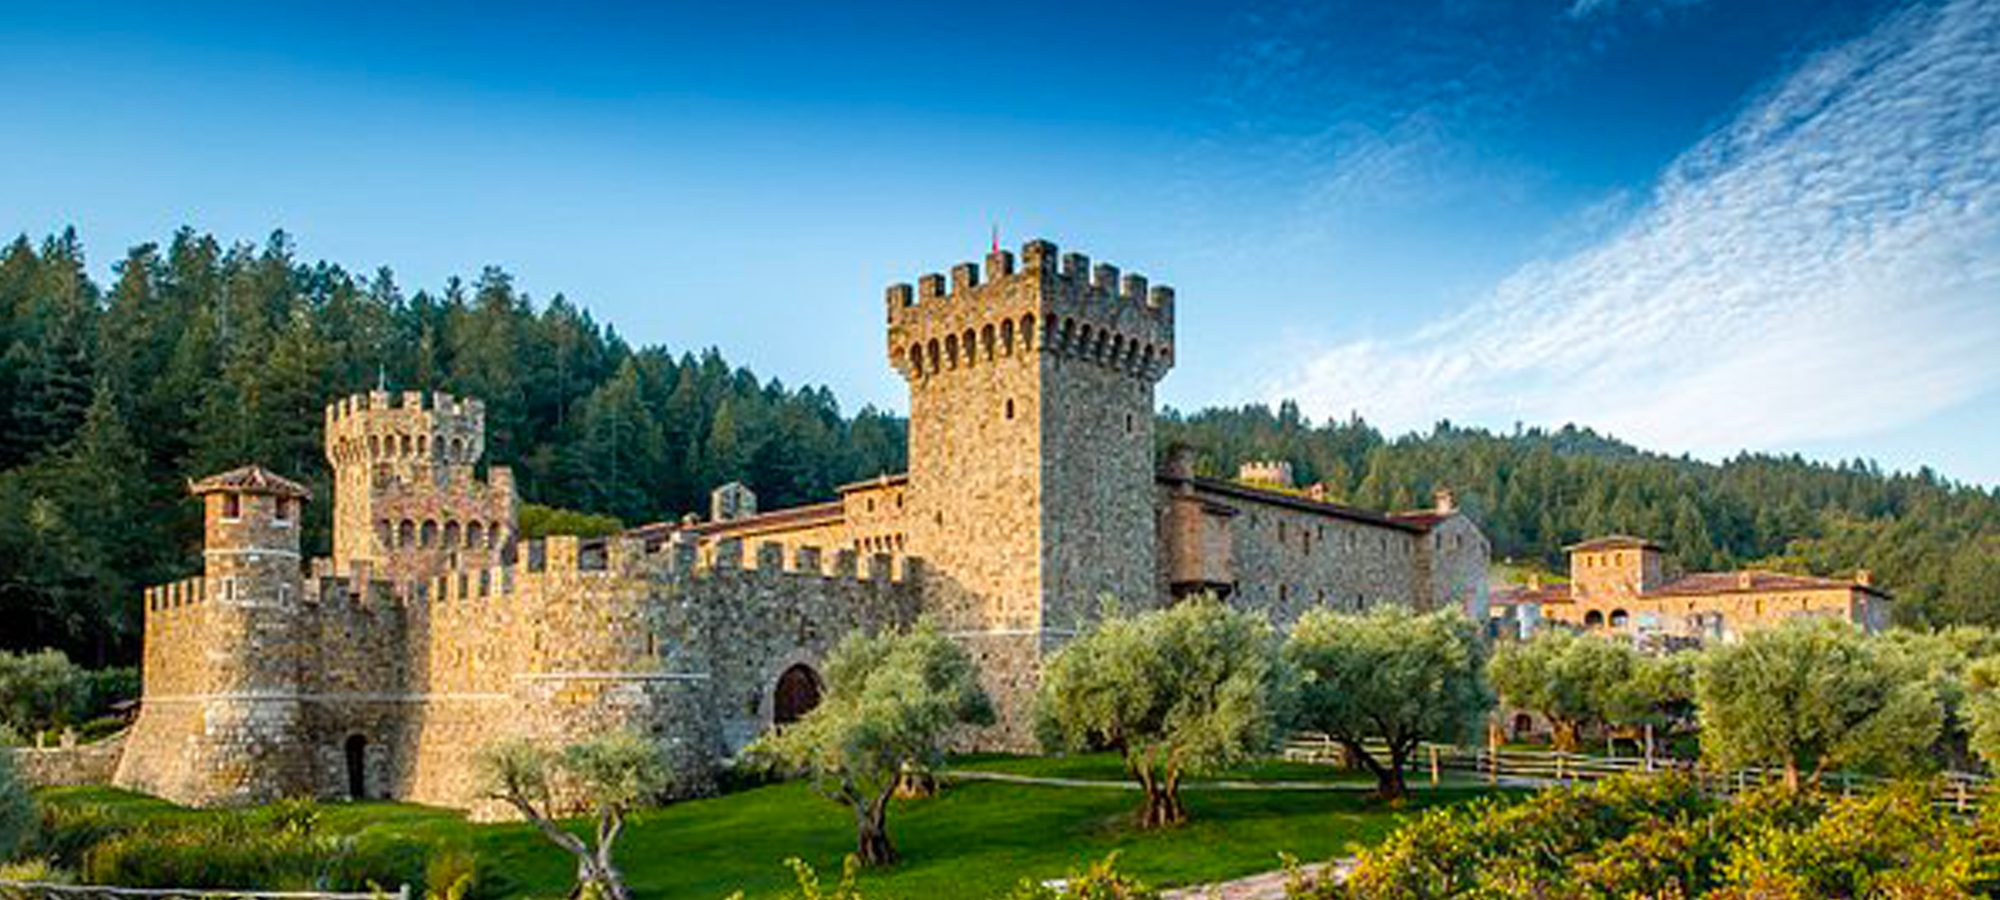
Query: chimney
{"x":1444,"y":501}
{"x":1864,"y":578}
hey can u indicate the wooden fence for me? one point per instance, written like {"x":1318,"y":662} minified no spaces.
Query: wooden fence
{"x":1960,"y":793}
{"x":42,"y":890}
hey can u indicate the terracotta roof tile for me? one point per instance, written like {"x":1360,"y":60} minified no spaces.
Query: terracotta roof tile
{"x":250,"y":480}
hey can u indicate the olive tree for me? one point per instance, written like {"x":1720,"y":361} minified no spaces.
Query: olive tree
{"x":1186,"y":688}
{"x":1982,"y":709}
{"x":1810,"y":695}
{"x":607,"y":777}
{"x":1391,"y":675}
{"x":1573,"y":680}
{"x":892,"y":700}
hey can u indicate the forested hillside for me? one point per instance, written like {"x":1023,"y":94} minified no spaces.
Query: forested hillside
{"x":1934,"y":544}
{"x":197,"y":357}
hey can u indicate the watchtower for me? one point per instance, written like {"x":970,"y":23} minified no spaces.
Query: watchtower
{"x":1031,"y":441}
{"x":408,"y":502}
{"x":1616,"y":565}
{"x":251,"y":747}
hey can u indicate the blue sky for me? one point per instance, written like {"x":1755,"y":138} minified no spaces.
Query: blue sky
{"x":1702,"y":225}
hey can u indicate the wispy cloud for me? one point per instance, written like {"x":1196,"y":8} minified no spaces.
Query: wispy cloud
{"x":1826,"y":265}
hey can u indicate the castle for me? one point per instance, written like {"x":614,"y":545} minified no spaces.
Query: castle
{"x":1619,"y":586}
{"x":1032,"y":493}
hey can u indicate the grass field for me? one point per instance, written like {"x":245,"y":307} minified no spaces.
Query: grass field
{"x":972,"y":842}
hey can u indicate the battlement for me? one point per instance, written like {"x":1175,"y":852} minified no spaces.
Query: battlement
{"x":411,"y":426}
{"x":176,"y":594}
{"x":1050,"y":303}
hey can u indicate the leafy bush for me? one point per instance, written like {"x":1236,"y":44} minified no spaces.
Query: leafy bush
{"x":245,"y":850}
{"x":1102,"y":881}
{"x":17,"y":808}
{"x":36,"y":870}
{"x":44,"y":691}
{"x":1662,"y":839}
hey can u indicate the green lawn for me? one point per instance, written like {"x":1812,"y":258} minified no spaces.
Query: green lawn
{"x":1110,"y":767}
{"x":971,"y":842}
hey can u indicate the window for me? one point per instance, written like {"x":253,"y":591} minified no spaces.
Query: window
{"x":1010,"y":409}
{"x":1130,"y":423}
{"x":232,"y":506}
{"x":284,"y":510}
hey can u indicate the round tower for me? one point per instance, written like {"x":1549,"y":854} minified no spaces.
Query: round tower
{"x":251,"y":746}
{"x":408,"y":503}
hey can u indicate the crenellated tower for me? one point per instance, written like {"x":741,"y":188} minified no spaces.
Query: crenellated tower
{"x":408,"y":501}
{"x":1031,"y":446}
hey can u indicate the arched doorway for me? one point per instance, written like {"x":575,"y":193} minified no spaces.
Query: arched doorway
{"x":797,"y":694}
{"x":357,"y":768}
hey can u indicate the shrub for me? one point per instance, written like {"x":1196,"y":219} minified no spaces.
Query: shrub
{"x":1102,"y":881}
{"x":244,"y":850}
{"x":17,"y":808}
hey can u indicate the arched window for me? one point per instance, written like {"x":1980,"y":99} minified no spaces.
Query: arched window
{"x":936,"y":359}
{"x":1028,"y":332}
{"x":406,"y":445}
{"x":987,"y":340}
{"x":971,"y":345}
{"x":429,"y":537}
{"x":1007,"y":337}
{"x":475,"y":535}
{"x":450,"y":534}
{"x":917,"y":359}
{"x":406,"y":534}
{"x":1619,"y":617}
{"x":951,"y":350}
{"x":797,"y":693}
{"x":1593,"y":619}
{"x":385,"y":537}
{"x":423,"y":445}
{"x":374,"y":445}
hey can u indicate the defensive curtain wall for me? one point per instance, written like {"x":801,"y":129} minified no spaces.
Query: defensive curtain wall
{"x":373,"y":689}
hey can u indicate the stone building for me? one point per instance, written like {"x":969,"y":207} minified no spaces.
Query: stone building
{"x":1032,"y":493}
{"x":1619,"y":585}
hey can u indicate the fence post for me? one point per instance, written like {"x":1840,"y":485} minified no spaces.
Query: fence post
{"x":1649,"y":746}
{"x":403,"y":893}
{"x":1434,"y":765}
{"x":1493,"y":756}
{"x":1959,"y":783}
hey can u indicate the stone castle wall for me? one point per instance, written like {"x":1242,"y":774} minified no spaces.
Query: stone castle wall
{"x":571,"y":641}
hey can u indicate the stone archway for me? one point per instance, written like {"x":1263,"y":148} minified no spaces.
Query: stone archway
{"x":797,"y":693}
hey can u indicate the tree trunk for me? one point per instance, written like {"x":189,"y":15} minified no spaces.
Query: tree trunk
{"x":872,"y":835}
{"x":597,"y":879}
{"x":1564,"y":734}
{"x":1163,"y":808}
{"x":1791,"y":775}
{"x":1389,"y":782}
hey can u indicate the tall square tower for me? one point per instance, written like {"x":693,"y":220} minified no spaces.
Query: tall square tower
{"x":1031,"y":448}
